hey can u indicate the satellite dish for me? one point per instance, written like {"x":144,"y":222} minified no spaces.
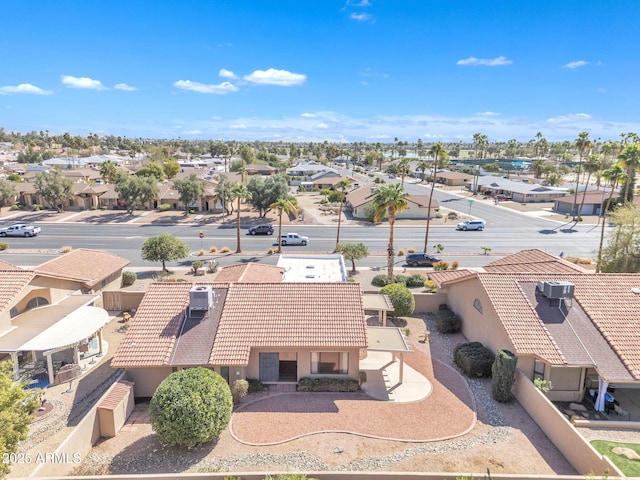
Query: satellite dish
{"x":69,"y":373}
{"x":635,"y":290}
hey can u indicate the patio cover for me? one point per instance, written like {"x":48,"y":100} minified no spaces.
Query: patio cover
{"x":386,"y":339}
{"x":381,"y":303}
{"x":54,"y":326}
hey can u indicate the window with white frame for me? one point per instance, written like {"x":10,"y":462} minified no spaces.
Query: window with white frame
{"x":330,"y":363}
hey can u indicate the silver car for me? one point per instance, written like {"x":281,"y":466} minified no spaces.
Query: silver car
{"x":471,"y":225}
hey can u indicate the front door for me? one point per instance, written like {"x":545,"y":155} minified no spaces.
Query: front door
{"x":269,"y":367}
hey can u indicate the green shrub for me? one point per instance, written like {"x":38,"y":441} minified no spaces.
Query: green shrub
{"x":3,"y":246}
{"x":402,"y":299}
{"x":163,"y":207}
{"x":239,"y":390}
{"x":128,"y":278}
{"x":503,"y":373}
{"x":447,"y":321}
{"x":430,"y":286}
{"x":379,"y":280}
{"x":36,"y":207}
{"x":196,"y":265}
{"x":415,"y":281}
{"x":323,"y":384}
{"x":255,"y":385}
{"x":190,"y":407}
{"x":441,"y":265}
{"x":288,"y":476}
{"x":362,"y":376}
{"x":474,"y":359}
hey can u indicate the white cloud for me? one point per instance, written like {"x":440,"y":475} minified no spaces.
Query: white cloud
{"x":24,"y":88}
{"x":221,"y":89}
{"x":569,"y":118}
{"x":361,"y":17}
{"x":487,"y":114}
{"x":489,"y":62}
{"x":576,"y":64}
{"x":282,"y":78}
{"x":308,"y":115}
{"x":82,"y":82}
{"x":125,"y":87}
{"x":322,"y":126}
{"x":224,"y":73}
{"x":361,"y":3}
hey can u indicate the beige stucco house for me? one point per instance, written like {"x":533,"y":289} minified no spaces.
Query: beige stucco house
{"x":51,"y":315}
{"x":359,"y":203}
{"x":274,"y":332}
{"x":571,"y":327}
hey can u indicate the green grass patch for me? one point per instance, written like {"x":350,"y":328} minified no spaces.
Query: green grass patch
{"x":631,"y":468}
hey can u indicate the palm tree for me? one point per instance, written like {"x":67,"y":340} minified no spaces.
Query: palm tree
{"x":422,"y":167}
{"x":592,"y":165}
{"x":630,"y":158}
{"x":282,"y":205}
{"x":342,"y":186}
{"x":437,"y":150}
{"x":390,"y":199}
{"x":583,"y":144}
{"x":239,"y":193}
{"x":614,"y":175}
{"x":404,"y":168}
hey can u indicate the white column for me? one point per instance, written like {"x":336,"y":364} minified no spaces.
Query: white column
{"x":16,"y":367}
{"x":76,"y":355}
{"x":401,"y":376}
{"x":49,"y":367}
{"x":602,"y":391}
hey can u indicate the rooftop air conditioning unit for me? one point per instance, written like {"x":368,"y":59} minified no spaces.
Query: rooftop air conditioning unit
{"x":554,"y":289}
{"x":200,"y":298}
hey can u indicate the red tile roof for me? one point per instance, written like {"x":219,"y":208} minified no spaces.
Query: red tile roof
{"x":251,"y":273}
{"x":12,"y":282}
{"x":607,"y":299}
{"x":533,"y":261}
{"x":274,"y":315}
{"x":83,"y":265}
{"x":8,"y":266}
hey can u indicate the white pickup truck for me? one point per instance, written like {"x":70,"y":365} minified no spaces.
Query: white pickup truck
{"x":20,"y":230}
{"x":293,"y":239}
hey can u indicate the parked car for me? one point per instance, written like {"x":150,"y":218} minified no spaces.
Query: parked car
{"x":20,"y":230}
{"x":422,"y":259}
{"x":261,"y":230}
{"x":471,"y":225}
{"x":501,"y":197}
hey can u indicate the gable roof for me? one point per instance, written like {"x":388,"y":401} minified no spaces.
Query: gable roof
{"x":83,"y":265}
{"x":533,"y":261}
{"x":250,"y":272}
{"x":8,"y":266}
{"x":323,"y":315}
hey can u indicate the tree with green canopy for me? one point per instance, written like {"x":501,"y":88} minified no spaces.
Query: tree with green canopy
{"x":17,"y":404}
{"x":353,"y":252}
{"x":191,"y":189}
{"x":164,"y":248}
{"x":266,"y":191}
{"x":8,"y":193}
{"x":54,"y":188}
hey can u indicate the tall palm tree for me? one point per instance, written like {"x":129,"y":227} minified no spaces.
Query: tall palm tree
{"x":437,"y":150}
{"x":613,"y":175}
{"x":592,"y":165}
{"x":403,"y":169}
{"x":390,"y":199}
{"x":630,"y":158}
{"x":422,"y":167}
{"x":282,"y":205}
{"x":583,"y":144}
{"x":239,"y":192}
{"x":342,"y":186}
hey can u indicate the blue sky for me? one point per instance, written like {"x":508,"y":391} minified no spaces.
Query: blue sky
{"x":314,"y":70}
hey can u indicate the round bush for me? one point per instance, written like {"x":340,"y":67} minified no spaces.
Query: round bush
{"x":402,"y":299}
{"x":191,"y":407}
{"x":379,"y":280}
{"x":128,"y":278}
{"x":415,"y":281}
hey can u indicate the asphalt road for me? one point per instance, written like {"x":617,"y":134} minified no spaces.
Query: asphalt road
{"x":507,"y":231}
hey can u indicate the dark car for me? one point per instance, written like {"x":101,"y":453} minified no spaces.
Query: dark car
{"x":261,"y":230}
{"x":423,"y":259}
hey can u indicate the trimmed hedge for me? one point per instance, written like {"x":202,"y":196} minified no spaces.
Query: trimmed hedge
{"x":128,"y":278}
{"x":474,"y":359}
{"x":323,"y":384}
{"x":413,"y":281}
{"x":447,"y":321}
{"x":504,"y":375}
